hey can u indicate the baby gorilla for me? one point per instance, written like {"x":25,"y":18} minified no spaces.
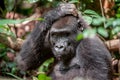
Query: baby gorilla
{"x":55,"y":36}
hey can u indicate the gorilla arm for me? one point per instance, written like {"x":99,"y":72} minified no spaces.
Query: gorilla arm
{"x":33,"y":52}
{"x":95,"y":59}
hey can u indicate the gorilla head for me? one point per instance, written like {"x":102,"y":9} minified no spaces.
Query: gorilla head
{"x":63,"y":37}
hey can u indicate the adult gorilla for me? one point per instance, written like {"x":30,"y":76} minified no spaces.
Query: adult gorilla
{"x":87,"y":59}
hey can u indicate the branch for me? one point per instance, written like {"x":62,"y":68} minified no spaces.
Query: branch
{"x":31,"y":18}
{"x":14,"y":43}
{"x":113,"y":45}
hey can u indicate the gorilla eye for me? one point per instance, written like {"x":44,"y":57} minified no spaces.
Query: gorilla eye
{"x":81,"y":28}
{"x":53,"y":34}
{"x":53,"y":43}
{"x":69,"y":43}
{"x":66,"y":34}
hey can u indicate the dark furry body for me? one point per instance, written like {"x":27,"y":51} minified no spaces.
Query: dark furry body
{"x":87,"y":59}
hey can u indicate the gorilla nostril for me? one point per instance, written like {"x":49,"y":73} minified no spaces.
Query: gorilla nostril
{"x":60,"y":47}
{"x":53,"y":43}
{"x":68,"y":43}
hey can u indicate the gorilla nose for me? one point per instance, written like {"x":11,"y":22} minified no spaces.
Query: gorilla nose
{"x":59,"y":48}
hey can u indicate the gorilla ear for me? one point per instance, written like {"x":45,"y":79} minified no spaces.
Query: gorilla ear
{"x":47,"y":41}
{"x":81,"y":26}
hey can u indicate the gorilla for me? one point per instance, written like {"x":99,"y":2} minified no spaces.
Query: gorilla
{"x":55,"y":36}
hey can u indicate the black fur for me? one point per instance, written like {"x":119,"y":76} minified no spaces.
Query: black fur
{"x":87,"y":59}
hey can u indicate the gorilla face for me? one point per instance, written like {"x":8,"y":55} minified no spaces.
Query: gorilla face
{"x":63,"y":37}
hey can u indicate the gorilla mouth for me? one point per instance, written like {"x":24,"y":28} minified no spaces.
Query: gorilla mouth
{"x":62,"y":55}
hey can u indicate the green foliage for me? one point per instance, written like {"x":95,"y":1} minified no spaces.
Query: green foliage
{"x":88,"y":19}
{"x":105,"y":27}
{"x":18,"y":78}
{"x":116,"y":30}
{"x":6,"y":66}
{"x":91,"y":13}
{"x":114,"y":25}
{"x":109,"y":22}
{"x":93,"y":18}
{"x":4,"y":30}
{"x":2,"y":50}
{"x":43,"y":77}
{"x":111,"y":25}
{"x":45,"y":65}
{"x":8,"y":5}
{"x":79,"y":37}
{"x":74,"y":1}
{"x":116,"y":22}
{"x":98,"y":21}
{"x":44,"y":68}
{"x":87,"y":33}
{"x":102,"y":31}
{"x":10,"y":21}
{"x":32,"y":1}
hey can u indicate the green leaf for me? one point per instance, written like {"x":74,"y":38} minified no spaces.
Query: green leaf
{"x":109,"y":22}
{"x":39,"y":19}
{"x":98,"y":21}
{"x":2,"y":46}
{"x":79,"y":37}
{"x":91,"y":12}
{"x":118,"y":15}
{"x":89,"y":33}
{"x":116,"y":30}
{"x":88,"y":19}
{"x":74,"y":1}
{"x":45,"y":65}
{"x":3,"y":54}
{"x":50,"y":0}
{"x":116,"y":22}
{"x":11,"y":64}
{"x":103,"y":32}
{"x":10,"y":21}
{"x":9,"y":4}
{"x":5,"y":30}
{"x":32,"y":1}
{"x":43,"y":77}
{"x":34,"y":78}
{"x":18,"y":78}
{"x":14,"y":70}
